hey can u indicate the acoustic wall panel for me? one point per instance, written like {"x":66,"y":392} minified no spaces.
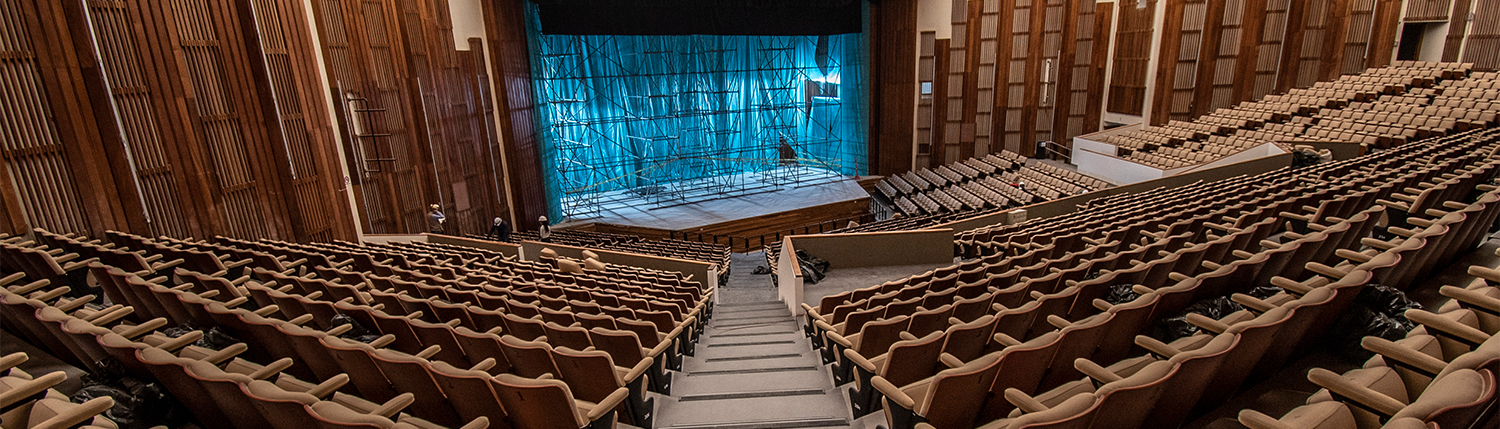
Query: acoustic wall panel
{"x":40,"y":190}
{"x":1484,"y":40}
{"x":1132,"y":57}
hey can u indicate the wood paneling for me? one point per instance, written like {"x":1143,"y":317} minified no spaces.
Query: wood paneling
{"x":1458,"y":23}
{"x":1127,"y":86}
{"x":926,"y":73}
{"x":181,"y":118}
{"x":299,"y":136}
{"x":1484,"y":40}
{"x":1383,"y":33}
{"x":1427,"y":10}
{"x":1104,"y":18}
{"x":941,"y":103}
{"x":505,"y":26}
{"x":893,"y":30}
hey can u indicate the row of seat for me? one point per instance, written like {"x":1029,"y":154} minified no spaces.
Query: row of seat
{"x":391,"y":297}
{"x":1268,"y":264}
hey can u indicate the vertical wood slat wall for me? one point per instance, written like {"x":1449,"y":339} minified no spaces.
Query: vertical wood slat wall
{"x":180,"y":117}
{"x":1132,"y":57}
{"x":1484,"y":39}
{"x":207,"y":117}
{"x":412,"y":116}
{"x":926,"y":73}
{"x":1013,"y":73}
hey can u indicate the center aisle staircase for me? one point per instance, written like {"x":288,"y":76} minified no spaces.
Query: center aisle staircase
{"x":753,"y":369}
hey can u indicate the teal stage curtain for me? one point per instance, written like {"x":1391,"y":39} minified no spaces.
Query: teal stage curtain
{"x":633,"y":112}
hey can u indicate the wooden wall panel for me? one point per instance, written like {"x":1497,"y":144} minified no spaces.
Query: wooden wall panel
{"x":1427,"y":10}
{"x":926,"y":74}
{"x":134,"y":96}
{"x":985,"y":84}
{"x":1177,"y":63}
{"x":1017,"y":74}
{"x":1383,"y":33}
{"x":1104,"y":18}
{"x":1127,"y":87}
{"x":1458,"y":22}
{"x":1484,"y":41}
{"x":299,"y":135}
{"x":1223,"y":47}
{"x":1268,"y":57}
{"x":941,"y":103}
{"x":40,"y":189}
{"x":1074,"y":76}
{"x":1361,"y":25}
{"x":505,"y":26}
{"x":217,"y":83}
{"x":893,"y":30}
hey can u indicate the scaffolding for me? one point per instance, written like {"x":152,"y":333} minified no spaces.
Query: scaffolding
{"x":670,"y":120}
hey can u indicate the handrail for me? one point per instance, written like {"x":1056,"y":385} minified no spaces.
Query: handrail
{"x":1067,"y":157}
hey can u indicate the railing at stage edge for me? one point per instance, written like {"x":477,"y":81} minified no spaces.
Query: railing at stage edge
{"x":750,"y":244}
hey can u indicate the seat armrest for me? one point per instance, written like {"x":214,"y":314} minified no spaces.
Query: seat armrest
{"x":1025,"y":402}
{"x":327,"y":387}
{"x":1472,"y":300}
{"x":637,"y":370}
{"x":860,"y":360}
{"x":1398,"y":355}
{"x":271,"y":369}
{"x":1257,"y":420}
{"x":1207,"y":323}
{"x":225,"y":354}
{"x":893,"y":393}
{"x":1156,"y":347}
{"x":608,"y":404}
{"x":1361,"y":396}
{"x":950,"y":361}
{"x":395,"y":405}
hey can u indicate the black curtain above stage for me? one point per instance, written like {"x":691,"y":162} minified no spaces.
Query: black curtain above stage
{"x":713,"y":17}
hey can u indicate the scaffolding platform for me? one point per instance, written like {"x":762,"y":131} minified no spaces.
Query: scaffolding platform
{"x":812,"y":187}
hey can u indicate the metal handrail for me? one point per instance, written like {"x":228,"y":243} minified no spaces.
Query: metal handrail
{"x":1067,"y":157}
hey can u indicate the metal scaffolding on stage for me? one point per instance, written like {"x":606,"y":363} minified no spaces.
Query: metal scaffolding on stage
{"x":669,"y":120}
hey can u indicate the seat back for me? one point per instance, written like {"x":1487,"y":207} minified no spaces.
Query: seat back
{"x":957,"y":393}
{"x":876,"y":337}
{"x":913,"y":360}
{"x":528,"y":359}
{"x":967,"y":341}
{"x":1023,"y":365}
{"x":540,"y":404}
{"x":1126,"y":402}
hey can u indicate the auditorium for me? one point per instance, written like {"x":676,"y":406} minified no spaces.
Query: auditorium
{"x":750,"y":214}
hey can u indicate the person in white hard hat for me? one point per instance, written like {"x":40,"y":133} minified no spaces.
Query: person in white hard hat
{"x":500,"y":230}
{"x":435,"y":219}
{"x":545,"y":230}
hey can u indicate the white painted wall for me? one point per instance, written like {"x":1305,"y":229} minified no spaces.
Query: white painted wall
{"x":1434,"y":39}
{"x":935,"y":15}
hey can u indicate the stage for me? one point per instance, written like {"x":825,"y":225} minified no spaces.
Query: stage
{"x":766,"y":202}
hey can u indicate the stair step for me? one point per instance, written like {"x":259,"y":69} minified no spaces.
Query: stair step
{"x":827,"y":409}
{"x":780,"y":424}
{"x":752,"y":343}
{"x":749,"y":305}
{"x":747,"y":395}
{"x":739,"y":381}
{"x":755,"y":370}
{"x":747,"y":315}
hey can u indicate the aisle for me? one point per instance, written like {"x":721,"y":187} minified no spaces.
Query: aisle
{"x":753,"y":369}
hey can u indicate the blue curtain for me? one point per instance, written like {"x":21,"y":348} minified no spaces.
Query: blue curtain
{"x":625,"y":112}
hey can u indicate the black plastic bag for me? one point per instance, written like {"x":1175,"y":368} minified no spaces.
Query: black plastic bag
{"x":137,"y":405}
{"x":1215,"y":308}
{"x":1263,"y":292}
{"x":216,"y":339}
{"x":1171,"y":329}
{"x":179,"y":330}
{"x":1389,"y":301}
{"x":1358,"y":322}
{"x":810,"y":272}
{"x":357,"y":332}
{"x":819,"y":263}
{"x":1305,"y":158}
{"x":1093,"y":274}
{"x":1121,"y":293}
